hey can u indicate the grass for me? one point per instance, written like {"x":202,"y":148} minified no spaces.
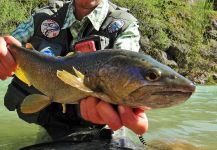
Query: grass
{"x":14,"y":12}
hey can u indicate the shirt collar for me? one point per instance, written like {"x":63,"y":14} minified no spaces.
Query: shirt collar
{"x":96,"y":17}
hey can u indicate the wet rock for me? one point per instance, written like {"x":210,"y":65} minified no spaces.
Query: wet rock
{"x":202,"y":79}
{"x":214,"y":76}
{"x":145,"y":44}
{"x":212,"y":34}
{"x":159,"y":55}
{"x":214,"y":23}
{"x":178,"y":53}
{"x":213,"y":49}
{"x":213,"y":67}
{"x":156,"y":53}
{"x":166,"y":61}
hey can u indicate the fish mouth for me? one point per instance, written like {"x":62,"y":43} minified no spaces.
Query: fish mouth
{"x":167,"y":93}
{"x":160,"y":97}
{"x":165,"y":99}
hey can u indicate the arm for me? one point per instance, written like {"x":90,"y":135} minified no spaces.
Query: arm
{"x":24,"y":31}
{"x":129,"y":39}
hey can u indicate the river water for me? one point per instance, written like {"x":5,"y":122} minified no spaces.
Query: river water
{"x":189,"y":126}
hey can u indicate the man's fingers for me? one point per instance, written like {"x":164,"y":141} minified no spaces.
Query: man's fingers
{"x":89,"y":111}
{"x":7,"y":63}
{"x":83,"y":110}
{"x":100,"y":112}
{"x":109,"y":115}
{"x":139,"y":112}
{"x":12,"y":40}
{"x":8,"y":59}
{"x":3,"y":48}
{"x":93,"y":115}
{"x":6,"y":71}
{"x":3,"y":75}
{"x":3,"y":71}
{"x":136,"y":121}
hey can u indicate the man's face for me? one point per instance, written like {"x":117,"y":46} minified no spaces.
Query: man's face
{"x":87,"y":4}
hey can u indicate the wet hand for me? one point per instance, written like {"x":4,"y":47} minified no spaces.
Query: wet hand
{"x":100,"y":112}
{"x":7,"y":63}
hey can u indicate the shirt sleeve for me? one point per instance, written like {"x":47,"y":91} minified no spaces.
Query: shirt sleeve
{"x":129,"y":39}
{"x":24,"y":31}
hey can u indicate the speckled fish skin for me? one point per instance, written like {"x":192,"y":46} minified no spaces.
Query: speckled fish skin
{"x":127,"y":77}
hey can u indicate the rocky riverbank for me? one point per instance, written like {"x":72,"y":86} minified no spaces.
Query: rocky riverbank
{"x":181,"y":34}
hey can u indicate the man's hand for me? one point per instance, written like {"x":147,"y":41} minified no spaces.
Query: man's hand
{"x":7,"y":63}
{"x":100,"y":112}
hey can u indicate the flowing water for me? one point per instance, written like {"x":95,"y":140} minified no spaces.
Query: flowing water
{"x":189,"y":126}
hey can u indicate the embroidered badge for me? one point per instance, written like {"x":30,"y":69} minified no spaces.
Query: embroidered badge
{"x":50,"y":28}
{"x":115,"y":26}
{"x":47,"y":51}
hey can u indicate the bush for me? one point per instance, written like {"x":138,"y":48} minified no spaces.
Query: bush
{"x":13,"y":12}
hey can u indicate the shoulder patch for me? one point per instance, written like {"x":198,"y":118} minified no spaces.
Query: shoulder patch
{"x":116,"y":26}
{"x":50,"y":28}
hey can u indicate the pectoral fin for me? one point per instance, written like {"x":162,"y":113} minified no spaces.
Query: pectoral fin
{"x":34,"y":103}
{"x":21,"y":75}
{"x":78,"y":82}
{"x":78,"y":74}
{"x":72,"y":80}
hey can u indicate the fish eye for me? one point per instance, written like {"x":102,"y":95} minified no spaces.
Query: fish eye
{"x":153,"y":74}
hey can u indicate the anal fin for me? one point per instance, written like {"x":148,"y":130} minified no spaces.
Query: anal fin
{"x":34,"y":103}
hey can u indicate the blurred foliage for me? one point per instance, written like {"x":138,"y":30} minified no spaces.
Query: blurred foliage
{"x":170,"y":22}
{"x":167,"y":24}
{"x":177,"y":24}
{"x":13,"y":12}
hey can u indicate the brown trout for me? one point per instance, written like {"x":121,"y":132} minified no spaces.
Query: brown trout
{"x":115,"y":76}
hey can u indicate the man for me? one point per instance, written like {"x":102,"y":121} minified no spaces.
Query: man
{"x":51,"y":30}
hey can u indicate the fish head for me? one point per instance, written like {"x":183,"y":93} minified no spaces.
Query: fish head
{"x":138,"y":80}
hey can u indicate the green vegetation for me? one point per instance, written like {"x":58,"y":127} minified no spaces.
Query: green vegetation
{"x":13,"y":12}
{"x":181,"y":31}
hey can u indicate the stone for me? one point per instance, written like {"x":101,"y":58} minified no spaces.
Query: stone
{"x":178,"y":53}
{"x":214,"y":76}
